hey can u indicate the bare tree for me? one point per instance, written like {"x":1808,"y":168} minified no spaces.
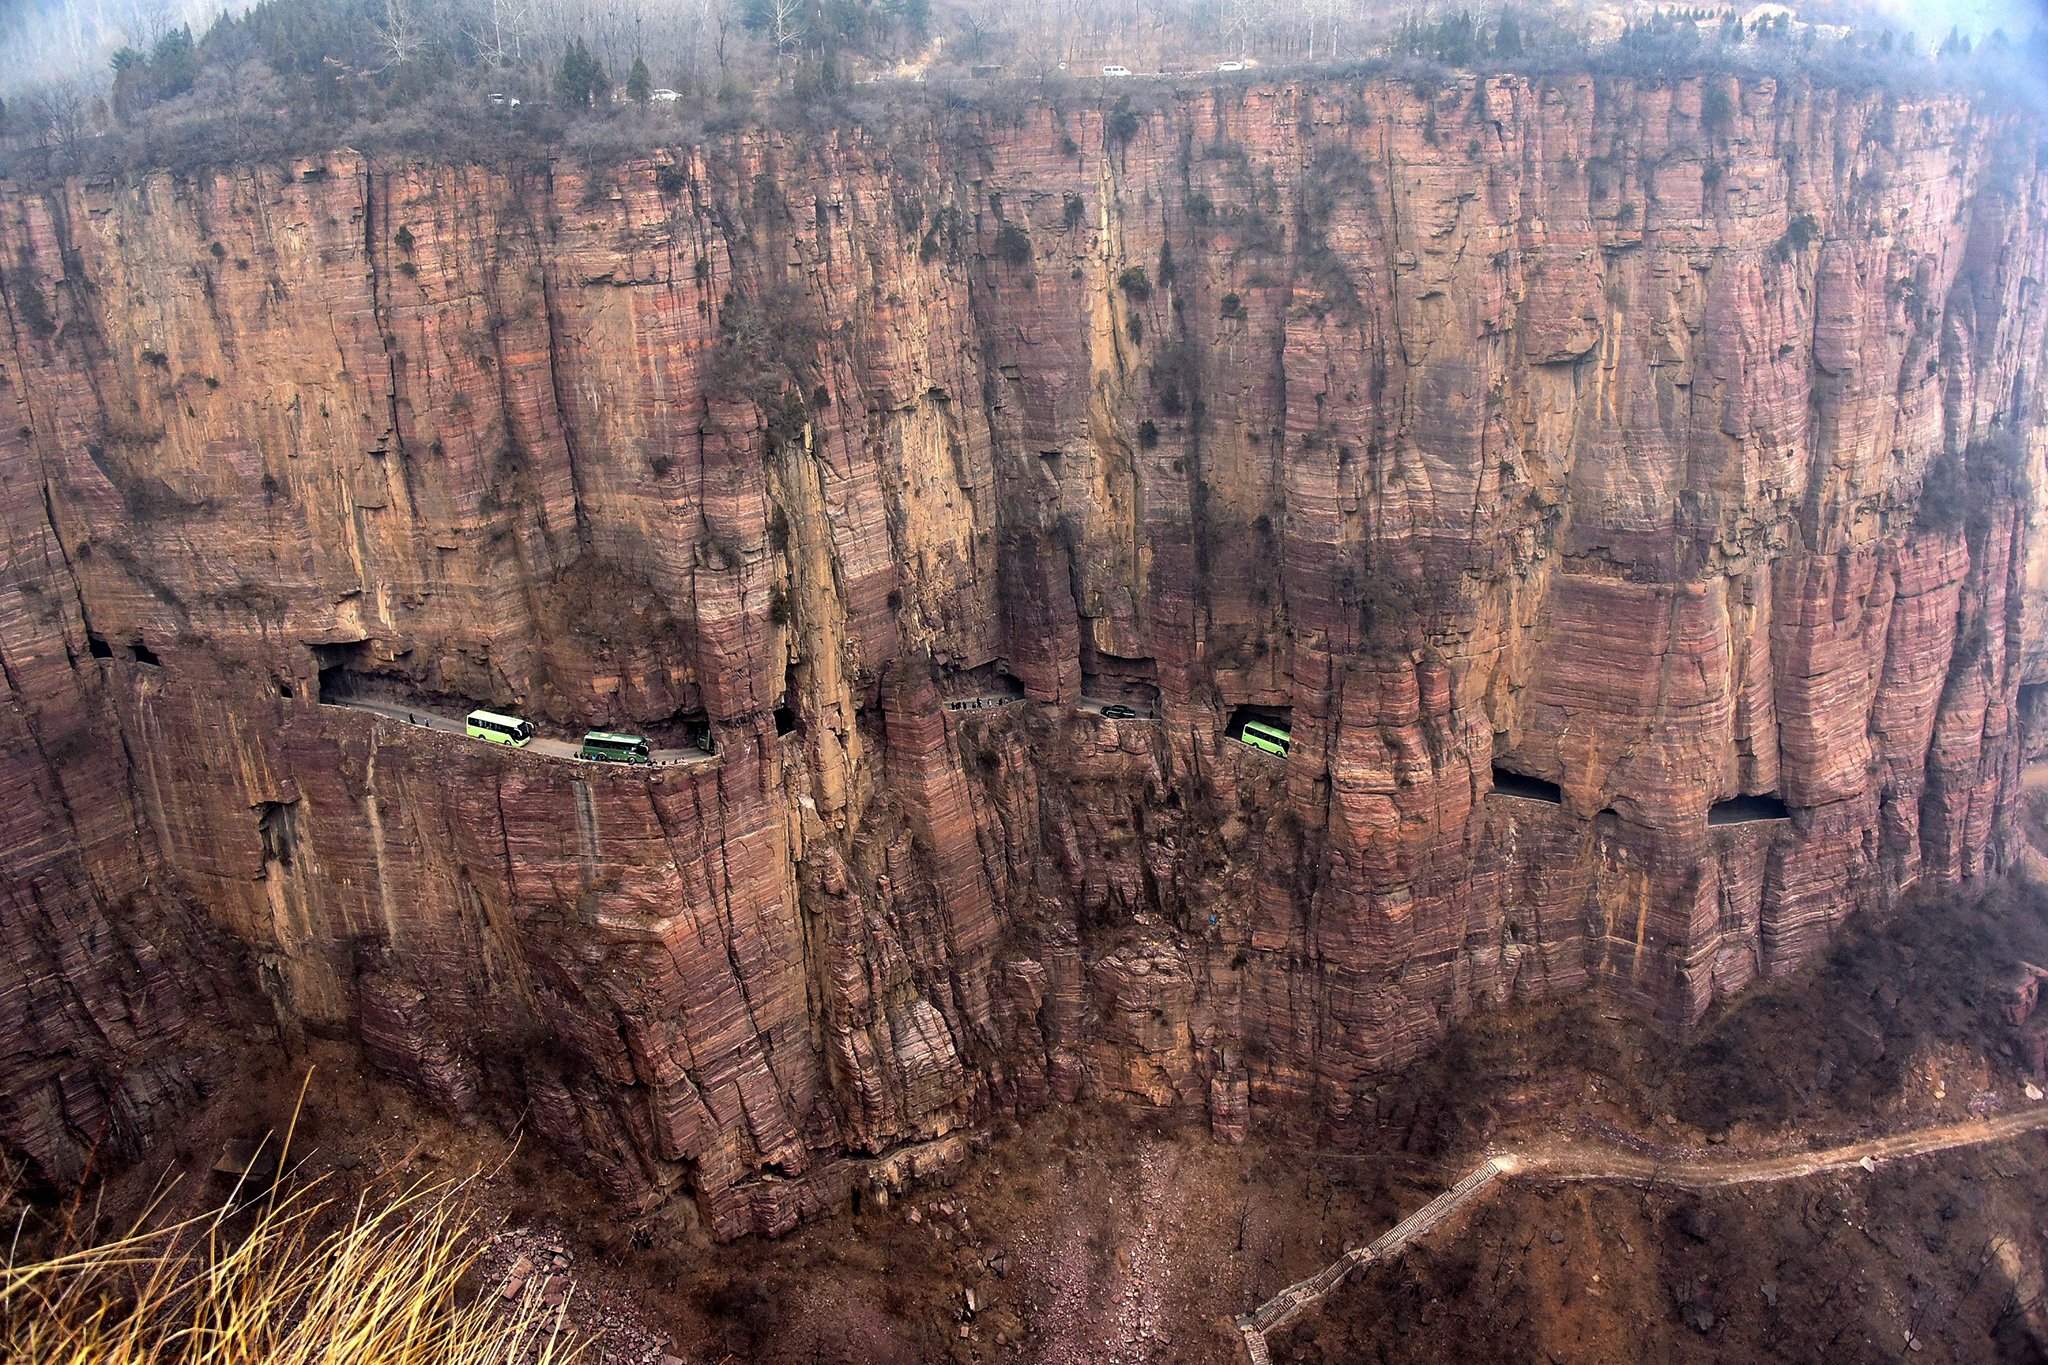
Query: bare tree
{"x":785,"y":24}
{"x":59,"y":116}
{"x":400,"y":33}
{"x":978,"y":27}
{"x":499,"y":32}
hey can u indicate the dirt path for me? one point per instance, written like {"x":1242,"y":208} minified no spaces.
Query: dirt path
{"x":1573,"y":1163}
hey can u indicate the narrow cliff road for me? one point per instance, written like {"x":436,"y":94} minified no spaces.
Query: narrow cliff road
{"x":539,"y":744}
{"x":1572,"y":1163}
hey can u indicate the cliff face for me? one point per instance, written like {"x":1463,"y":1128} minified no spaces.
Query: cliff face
{"x":1526,"y":424}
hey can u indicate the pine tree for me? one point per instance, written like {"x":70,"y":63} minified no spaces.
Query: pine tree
{"x":639,"y":85}
{"x":580,"y":81}
{"x":1507,"y":37}
{"x":569,"y":86}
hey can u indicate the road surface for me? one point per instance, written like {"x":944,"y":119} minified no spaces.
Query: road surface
{"x":1087,"y":706}
{"x":1576,"y":1163}
{"x":984,"y":703}
{"x":1092,"y":706}
{"x":539,"y":744}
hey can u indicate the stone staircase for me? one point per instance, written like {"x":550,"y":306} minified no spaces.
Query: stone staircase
{"x":1291,"y":1302}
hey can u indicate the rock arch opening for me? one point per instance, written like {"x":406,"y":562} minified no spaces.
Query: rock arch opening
{"x":337,"y":668}
{"x":1508,"y":782}
{"x":1269,"y":729}
{"x":1747,"y":810}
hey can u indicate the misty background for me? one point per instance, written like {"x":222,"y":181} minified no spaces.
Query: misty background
{"x":54,"y":41}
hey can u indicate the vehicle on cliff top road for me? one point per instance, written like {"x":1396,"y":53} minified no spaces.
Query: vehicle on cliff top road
{"x":498,"y":729}
{"x":1267,"y":739}
{"x":602,"y":746}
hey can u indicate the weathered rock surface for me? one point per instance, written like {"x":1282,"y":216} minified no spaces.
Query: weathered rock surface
{"x":1531,"y":424}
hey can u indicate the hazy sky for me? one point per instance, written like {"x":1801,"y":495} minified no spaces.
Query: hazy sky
{"x":1928,"y":17}
{"x":42,"y":40}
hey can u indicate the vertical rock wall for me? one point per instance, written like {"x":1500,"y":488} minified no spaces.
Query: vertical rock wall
{"x":1529,"y":425}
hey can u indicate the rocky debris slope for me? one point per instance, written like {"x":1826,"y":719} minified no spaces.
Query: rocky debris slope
{"x":1515,"y":431}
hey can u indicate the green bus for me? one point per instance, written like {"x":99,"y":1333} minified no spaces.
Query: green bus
{"x":498,"y":729}
{"x":1267,"y":739}
{"x":600,"y":746}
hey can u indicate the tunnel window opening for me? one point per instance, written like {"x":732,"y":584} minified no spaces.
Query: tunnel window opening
{"x":338,"y":666}
{"x":1508,"y":782}
{"x":1121,"y":680}
{"x":785,"y":719}
{"x":970,"y":689}
{"x":284,"y":689}
{"x":100,"y":648}
{"x":2033,"y":702}
{"x":1268,"y":729}
{"x":143,"y":654}
{"x":1745,"y":810}
{"x":684,"y":728}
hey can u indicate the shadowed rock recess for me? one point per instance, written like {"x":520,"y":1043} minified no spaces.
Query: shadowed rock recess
{"x":1528,"y":424}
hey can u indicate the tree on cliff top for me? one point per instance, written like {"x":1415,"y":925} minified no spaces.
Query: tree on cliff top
{"x":580,"y":81}
{"x":639,"y":85}
{"x":1507,"y":36}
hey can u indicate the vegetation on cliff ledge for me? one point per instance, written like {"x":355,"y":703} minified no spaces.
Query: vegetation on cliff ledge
{"x":481,"y":79}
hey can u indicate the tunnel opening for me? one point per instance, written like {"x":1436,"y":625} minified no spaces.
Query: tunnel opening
{"x":337,"y":667}
{"x":687,"y":727}
{"x":99,"y":648}
{"x":1746,"y":810}
{"x":785,"y":717}
{"x":969,"y":689}
{"x":143,"y":654}
{"x":1268,"y":729}
{"x":2033,"y":704}
{"x":1508,"y":782}
{"x":1118,"y":678}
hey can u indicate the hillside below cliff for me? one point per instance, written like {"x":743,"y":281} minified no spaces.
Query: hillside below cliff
{"x":1630,"y":521}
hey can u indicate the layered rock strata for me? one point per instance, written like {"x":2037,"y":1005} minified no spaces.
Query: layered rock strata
{"x":1511,"y":436}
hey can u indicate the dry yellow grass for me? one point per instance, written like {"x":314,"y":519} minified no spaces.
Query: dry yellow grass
{"x":295,"y":1278}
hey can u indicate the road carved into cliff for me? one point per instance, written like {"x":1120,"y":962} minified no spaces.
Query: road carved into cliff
{"x":539,"y":744}
{"x":1575,"y":1164}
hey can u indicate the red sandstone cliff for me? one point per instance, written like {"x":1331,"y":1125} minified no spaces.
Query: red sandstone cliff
{"x":1528,"y":424}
